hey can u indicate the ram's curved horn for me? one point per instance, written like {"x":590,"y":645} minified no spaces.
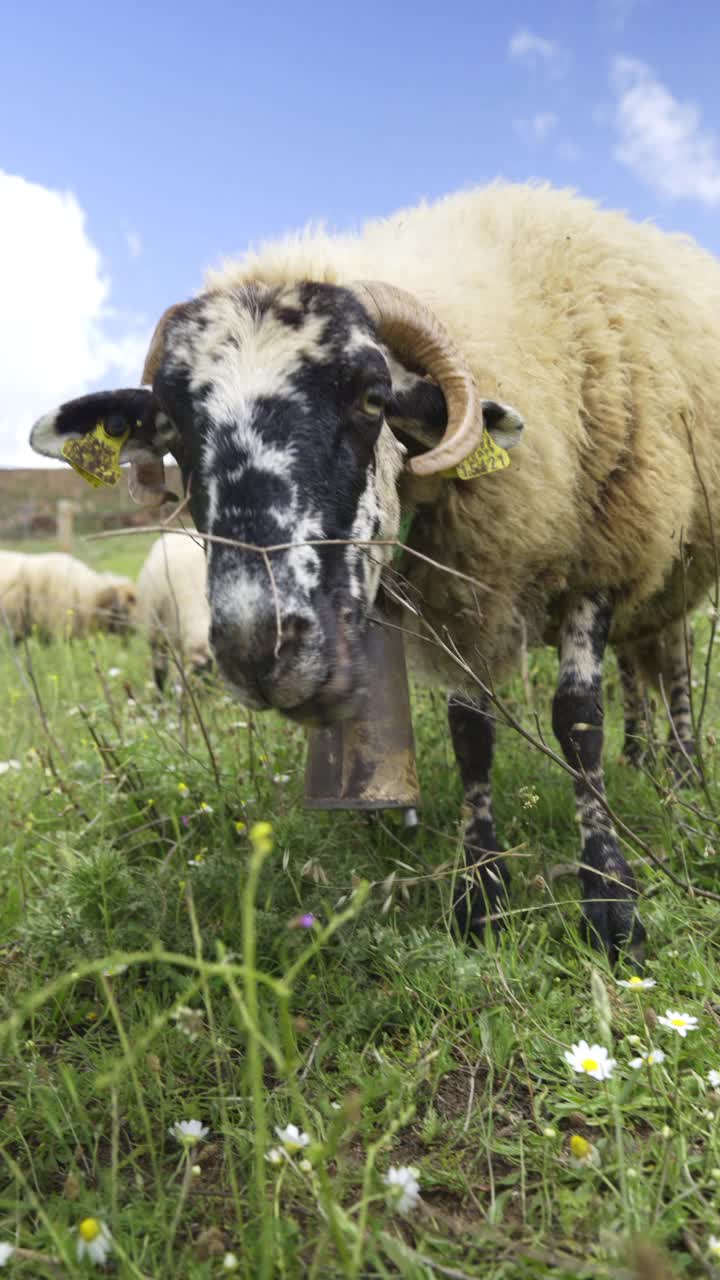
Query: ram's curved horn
{"x":414,"y":332}
{"x":156,"y":350}
{"x":146,"y":482}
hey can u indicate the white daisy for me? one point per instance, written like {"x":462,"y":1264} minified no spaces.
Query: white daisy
{"x":590,"y":1060}
{"x":6,"y":765}
{"x":95,"y":1241}
{"x":714,"y":1079}
{"x":582,"y":1152}
{"x":6,"y":1252}
{"x":402,"y":1181}
{"x":230,"y":1262}
{"x":680,"y":1022}
{"x":292,"y":1139}
{"x":274,"y":1156}
{"x":651,"y":1059}
{"x":189,"y":1021}
{"x":714,"y":1246}
{"x":189,"y":1131}
{"x":637,"y":984}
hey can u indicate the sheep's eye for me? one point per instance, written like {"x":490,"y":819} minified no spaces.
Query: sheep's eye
{"x":116,"y":424}
{"x":372,"y":404}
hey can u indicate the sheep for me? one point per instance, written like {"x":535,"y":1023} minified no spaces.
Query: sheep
{"x":172,"y":606}
{"x":54,"y":594}
{"x":326,"y":387}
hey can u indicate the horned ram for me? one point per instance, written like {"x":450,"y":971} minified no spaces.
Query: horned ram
{"x":325,"y":386}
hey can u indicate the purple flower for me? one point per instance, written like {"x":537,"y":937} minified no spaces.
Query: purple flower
{"x":305,"y":921}
{"x":185,"y":820}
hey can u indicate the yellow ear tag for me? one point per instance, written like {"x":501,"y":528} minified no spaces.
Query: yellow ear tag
{"x":96,"y":456}
{"x":488,"y":457}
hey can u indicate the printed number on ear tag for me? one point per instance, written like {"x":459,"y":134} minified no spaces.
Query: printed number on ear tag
{"x":96,"y":456}
{"x":488,"y":457}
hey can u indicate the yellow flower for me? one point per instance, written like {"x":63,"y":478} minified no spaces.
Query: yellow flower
{"x":582,"y":1152}
{"x":183,"y":788}
{"x":240,"y":827}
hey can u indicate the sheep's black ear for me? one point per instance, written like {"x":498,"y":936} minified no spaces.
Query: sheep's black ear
{"x":417,"y":413}
{"x":503,"y":422}
{"x":135,"y":413}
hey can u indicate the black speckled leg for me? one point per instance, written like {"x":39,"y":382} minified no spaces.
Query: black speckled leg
{"x":635,"y":707}
{"x":608,"y":884}
{"x":483,"y":891}
{"x":681,"y":744}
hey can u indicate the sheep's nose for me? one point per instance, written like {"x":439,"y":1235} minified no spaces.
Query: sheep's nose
{"x":257,"y":652}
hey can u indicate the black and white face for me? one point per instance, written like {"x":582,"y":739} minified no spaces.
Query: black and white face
{"x":278,"y":398}
{"x":273,"y":402}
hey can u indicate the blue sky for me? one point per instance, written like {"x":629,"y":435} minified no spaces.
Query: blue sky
{"x":140,"y":143}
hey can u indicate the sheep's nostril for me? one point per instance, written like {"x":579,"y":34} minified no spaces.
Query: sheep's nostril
{"x":257,"y":650}
{"x":293,"y":631}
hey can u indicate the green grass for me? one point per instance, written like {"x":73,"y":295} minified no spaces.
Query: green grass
{"x":124,"y":841}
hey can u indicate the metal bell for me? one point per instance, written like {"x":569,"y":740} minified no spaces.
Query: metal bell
{"x":369,"y":762}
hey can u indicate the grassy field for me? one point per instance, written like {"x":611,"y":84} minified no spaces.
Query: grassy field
{"x":164,"y":959}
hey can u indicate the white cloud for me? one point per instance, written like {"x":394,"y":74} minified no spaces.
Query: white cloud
{"x":134,"y":243}
{"x":662,"y":140}
{"x":537,"y":128}
{"x":534,"y":51}
{"x":54,"y":314}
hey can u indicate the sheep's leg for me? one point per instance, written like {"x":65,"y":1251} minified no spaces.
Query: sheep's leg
{"x":608,"y":885}
{"x":483,"y":891}
{"x":676,"y":678}
{"x":636,"y":708}
{"x":159,"y":665}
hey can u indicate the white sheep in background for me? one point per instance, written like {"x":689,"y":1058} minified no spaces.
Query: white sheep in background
{"x":172,"y":604}
{"x":56,"y":595}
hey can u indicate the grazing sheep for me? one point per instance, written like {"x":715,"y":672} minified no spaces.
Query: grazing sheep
{"x":306,"y":403}
{"x":54,"y":594}
{"x":172,"y":605}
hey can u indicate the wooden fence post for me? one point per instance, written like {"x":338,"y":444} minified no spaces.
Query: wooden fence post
{"x":65,"y":522}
